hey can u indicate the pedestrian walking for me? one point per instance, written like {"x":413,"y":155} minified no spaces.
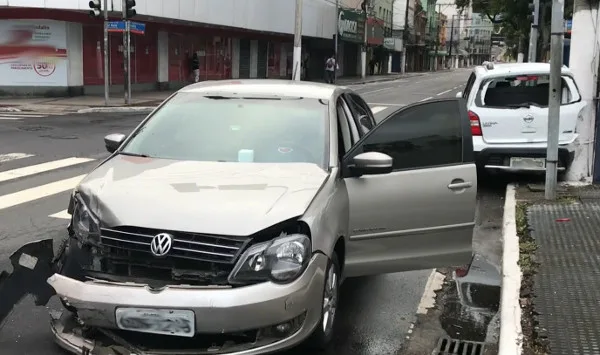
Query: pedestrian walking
{"x":330,"y":67}
{"x":196,"y":67}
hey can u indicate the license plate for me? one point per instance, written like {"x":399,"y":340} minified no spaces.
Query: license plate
{"x":528,"y":163}
{"x":157,"y":321}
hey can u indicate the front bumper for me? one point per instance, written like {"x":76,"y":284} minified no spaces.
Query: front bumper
{"x":217,"y":311}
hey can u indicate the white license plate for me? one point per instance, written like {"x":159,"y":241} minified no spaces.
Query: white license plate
{"x":528,"y":163}
{"x":157,"y":321}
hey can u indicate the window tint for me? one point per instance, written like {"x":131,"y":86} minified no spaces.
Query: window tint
{"x":521,"y":91}
{"x":361,"y":111}
{"x":191,"y":126}
{"x":469,"y":86}
{"x":422,"y":136}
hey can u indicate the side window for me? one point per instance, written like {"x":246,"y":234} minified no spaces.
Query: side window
{"x":362,"y":112}
{"x":423,"y":136}
{"x":469,"y":86}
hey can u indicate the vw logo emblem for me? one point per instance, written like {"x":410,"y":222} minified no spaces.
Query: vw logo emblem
{"x":161,"y":244}
{"x":528,"y":118}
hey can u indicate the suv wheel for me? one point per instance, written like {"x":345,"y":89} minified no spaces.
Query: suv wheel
{"x":323,"y":333}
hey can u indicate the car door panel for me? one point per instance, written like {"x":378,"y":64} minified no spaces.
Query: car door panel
{"x":415,"y":217}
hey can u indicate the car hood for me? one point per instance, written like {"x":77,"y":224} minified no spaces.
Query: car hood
{"x":201,"y":197}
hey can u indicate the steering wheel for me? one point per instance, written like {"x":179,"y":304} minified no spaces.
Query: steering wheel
{"x":292,"y":149}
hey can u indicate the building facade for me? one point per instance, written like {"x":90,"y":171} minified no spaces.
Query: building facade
{"x":480,"y":38}
{"x":54,"y":48}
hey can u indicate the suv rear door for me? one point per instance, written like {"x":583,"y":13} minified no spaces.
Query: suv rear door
{"x":514,"y":109}
{"x":421,"y":215}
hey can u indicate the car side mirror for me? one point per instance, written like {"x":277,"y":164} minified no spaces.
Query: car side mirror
{"x":371,"y":163}
{"x":459,"y":94}
{"x":113,"y":141}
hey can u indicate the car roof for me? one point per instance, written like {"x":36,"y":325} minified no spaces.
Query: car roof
{"x":266,"y":87}
{"x":503,"y":69}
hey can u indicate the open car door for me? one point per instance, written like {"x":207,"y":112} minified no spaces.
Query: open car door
{"x":420,"y":213}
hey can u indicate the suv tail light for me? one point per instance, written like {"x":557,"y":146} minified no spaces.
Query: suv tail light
{"x":475,"y":126}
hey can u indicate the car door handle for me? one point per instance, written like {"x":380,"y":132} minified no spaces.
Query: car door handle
{"x":459,"y":185}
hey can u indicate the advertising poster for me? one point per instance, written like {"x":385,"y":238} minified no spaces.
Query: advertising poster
{"x":33,"y":53}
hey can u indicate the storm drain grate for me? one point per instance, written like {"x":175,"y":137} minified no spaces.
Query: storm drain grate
{"x":449,"y":346}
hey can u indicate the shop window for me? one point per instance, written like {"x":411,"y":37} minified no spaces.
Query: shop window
{"x":274,"y":57}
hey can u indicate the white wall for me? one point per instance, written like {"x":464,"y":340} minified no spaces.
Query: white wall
{"x":399,"y":13}
{"x":260,"y":15}
{"x":75,"y":52}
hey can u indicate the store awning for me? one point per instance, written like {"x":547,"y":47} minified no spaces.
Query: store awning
{"x":463,"y":52}
{"x":439,"y":53}
{"x":393,"y":44}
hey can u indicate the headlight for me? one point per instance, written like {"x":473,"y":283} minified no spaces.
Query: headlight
{"x":280,"y":260}
{"x":85,"y":226}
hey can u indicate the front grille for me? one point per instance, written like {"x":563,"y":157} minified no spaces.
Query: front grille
{"x":194,"y":258}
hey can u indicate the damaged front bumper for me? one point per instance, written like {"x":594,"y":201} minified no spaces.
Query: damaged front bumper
{"x":258,"y":319}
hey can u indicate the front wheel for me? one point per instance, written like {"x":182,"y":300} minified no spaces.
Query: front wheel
{"x":323,"y":333}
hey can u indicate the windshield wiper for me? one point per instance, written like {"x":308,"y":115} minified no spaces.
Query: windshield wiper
{"x":134,"y":154}
{"x":522,"y":105}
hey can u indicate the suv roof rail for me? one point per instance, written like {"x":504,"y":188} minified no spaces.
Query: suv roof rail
{"x":488,"y":65}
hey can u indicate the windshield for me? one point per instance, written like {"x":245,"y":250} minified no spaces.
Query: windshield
{"x":520,"y":91}
{"x":191,"y":126}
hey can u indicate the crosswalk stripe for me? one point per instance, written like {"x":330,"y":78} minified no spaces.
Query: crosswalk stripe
{"x":61,"y":215}
{"x":18,"y":116}
{"x":13,"y":156}
{"x":40,"y":168}
{"x":378,"y":109}
{"x":38,"y":192}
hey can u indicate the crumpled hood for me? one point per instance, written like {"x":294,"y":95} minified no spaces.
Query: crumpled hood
{"x":202,"y":197}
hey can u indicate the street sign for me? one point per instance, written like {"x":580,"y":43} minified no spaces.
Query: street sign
{"x":115,"y":26}
{"x":137,"y":27}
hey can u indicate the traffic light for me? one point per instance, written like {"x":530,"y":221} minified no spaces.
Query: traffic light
{"x":96,"y":8}
{"x":533,"y":13}
{"x":129,"y":9}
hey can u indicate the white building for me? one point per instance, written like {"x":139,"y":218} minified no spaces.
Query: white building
{"x":57,"y":49}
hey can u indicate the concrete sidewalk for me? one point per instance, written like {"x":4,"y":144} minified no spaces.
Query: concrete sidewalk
{"x":558,"y":250}
{"x":140,"y":102}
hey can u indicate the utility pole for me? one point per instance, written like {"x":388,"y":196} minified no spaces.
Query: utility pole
{"x":451,"y":41}
{"x":533,"y":34}
{"x":337,"y":34}
{"x":363,"y":53}
{"x":438,"y":20}
{"x":106,"y":70}
{"x":126,"y":56}
{"x":297,"y":59}
{"x":556,"y":59}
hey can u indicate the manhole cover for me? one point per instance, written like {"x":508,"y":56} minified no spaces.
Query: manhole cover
{"x":35,"y":128}
{"x":449,"y":346}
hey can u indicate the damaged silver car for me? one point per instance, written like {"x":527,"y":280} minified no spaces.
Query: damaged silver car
{"x":227,"y":220}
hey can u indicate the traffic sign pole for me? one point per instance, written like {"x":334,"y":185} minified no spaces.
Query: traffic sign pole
{"x":126,"y":62}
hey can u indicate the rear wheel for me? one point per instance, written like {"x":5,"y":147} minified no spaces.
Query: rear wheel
{"x":323,"y":333}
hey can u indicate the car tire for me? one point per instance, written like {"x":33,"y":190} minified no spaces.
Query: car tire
{"x":324,"y":331}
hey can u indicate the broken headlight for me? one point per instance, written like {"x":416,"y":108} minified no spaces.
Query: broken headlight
{"x":85,"y":226}
{"x":280,"y":260}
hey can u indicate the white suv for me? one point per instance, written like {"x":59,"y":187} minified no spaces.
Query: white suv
{"x":508,"y":111}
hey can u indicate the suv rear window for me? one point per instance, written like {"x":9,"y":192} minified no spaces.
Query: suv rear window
{"x":523,"y":91}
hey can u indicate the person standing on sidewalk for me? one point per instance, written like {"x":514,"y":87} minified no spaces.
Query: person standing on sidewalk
{"x":330,"y":68}
{"x":196,"y":67}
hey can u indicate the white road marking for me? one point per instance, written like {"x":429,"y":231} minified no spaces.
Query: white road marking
{"x":19,"y":116}
{"x":35,"y":193}
{"x":443,"y":92}
{"x":13,"y":156}
{"x":374,"y":91}
{"x":40,"y":168}
{"x":425,"y":99}
{"x":434,"y":283}
{"x":378,"y":109}
{"x":62,"y":215}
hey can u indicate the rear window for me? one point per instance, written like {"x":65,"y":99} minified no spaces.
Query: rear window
{"x":523,"y":91}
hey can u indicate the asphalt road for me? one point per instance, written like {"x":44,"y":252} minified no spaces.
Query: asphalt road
{"x":375,"y":314}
